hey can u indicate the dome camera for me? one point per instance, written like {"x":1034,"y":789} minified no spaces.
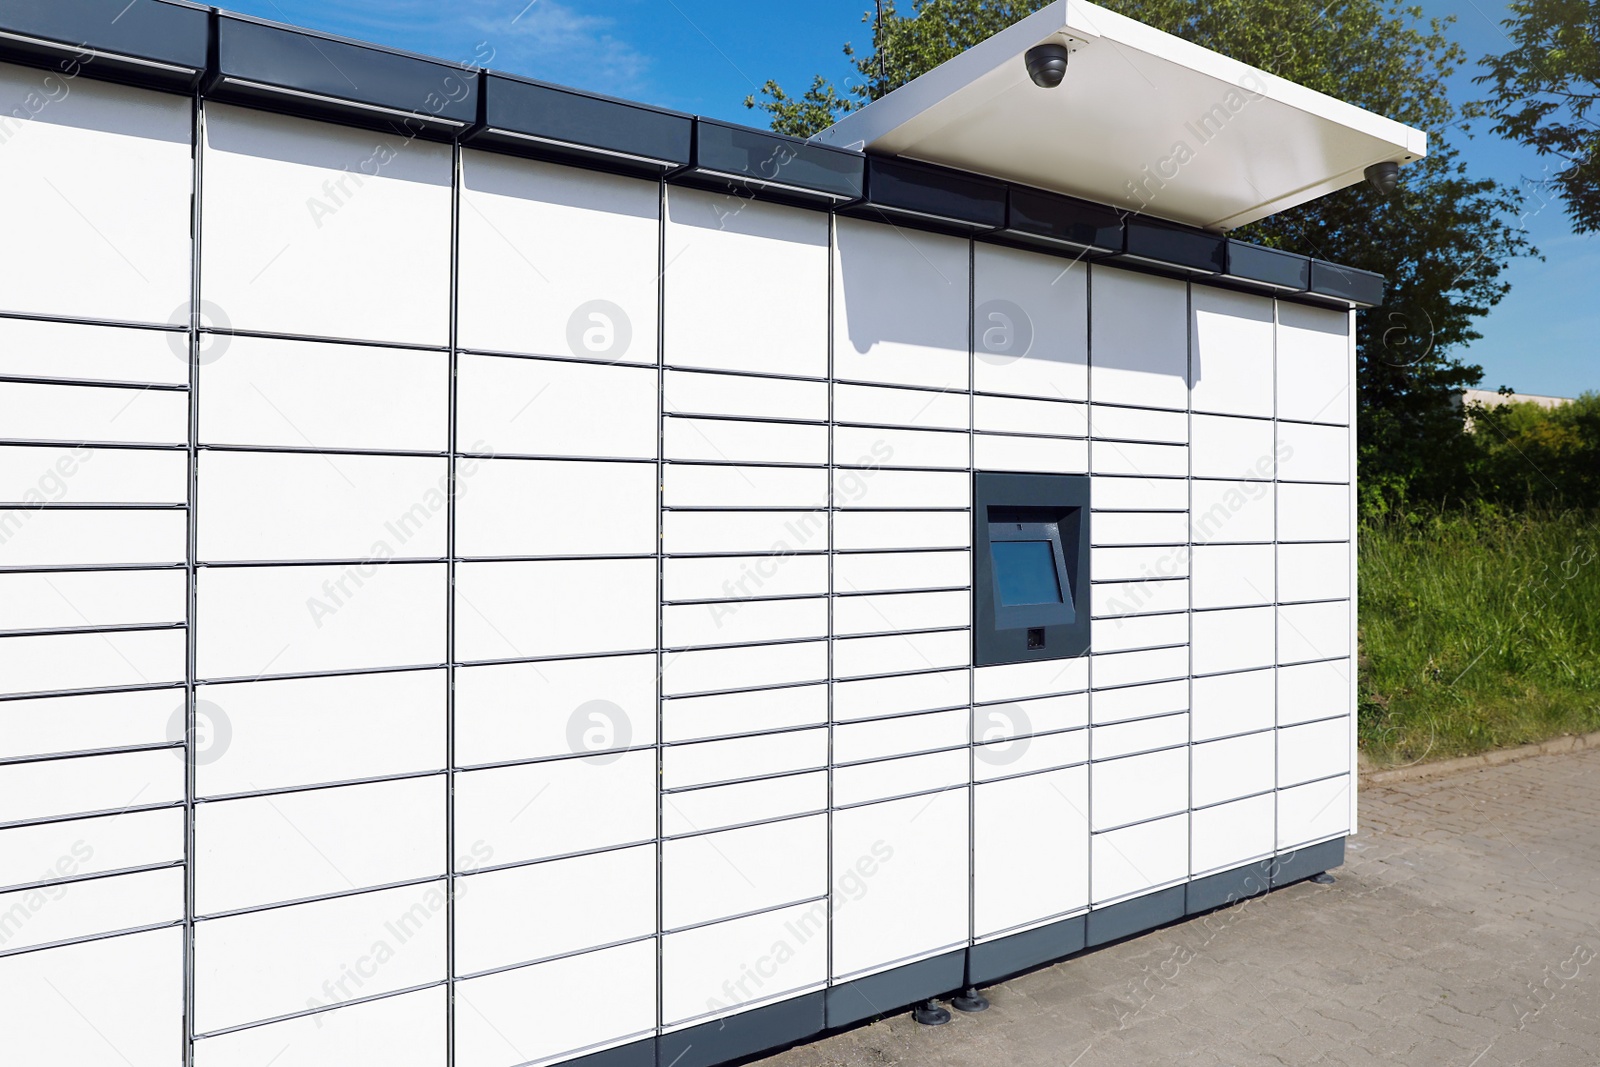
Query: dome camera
{"x":1384,"y":177}
{"x":1047,"y":64}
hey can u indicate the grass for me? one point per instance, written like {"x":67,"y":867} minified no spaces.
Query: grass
{"x":1478,"y":631}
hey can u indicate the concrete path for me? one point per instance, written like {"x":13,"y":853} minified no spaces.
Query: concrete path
{"x":1464,"y":930}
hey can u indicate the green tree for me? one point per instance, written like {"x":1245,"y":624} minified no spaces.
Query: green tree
{"x":1534,"y":456}
{"x":1547,"y":95}
{"x":903,"y":47}
{"x":1442,"y":240}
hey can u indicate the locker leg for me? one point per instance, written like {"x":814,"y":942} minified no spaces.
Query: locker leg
{"x":928,"y":1013}
{"x":1324,"y":878}
{"x":970,"y":1000}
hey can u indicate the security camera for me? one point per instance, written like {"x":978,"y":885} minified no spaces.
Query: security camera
{"x":1384,"y":177}
{"x":1047,"y":64}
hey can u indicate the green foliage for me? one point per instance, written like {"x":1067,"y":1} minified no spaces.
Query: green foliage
{"x":904,"y":47}
{"x":1478,"y":631}
{"x":1442,"y":240}
{"x":1527,"y":455}
{"x":1547,"y":95}
{"x":820,"y":107}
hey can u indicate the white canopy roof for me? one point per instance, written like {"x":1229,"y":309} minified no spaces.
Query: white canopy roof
{"x":1143,"y":121}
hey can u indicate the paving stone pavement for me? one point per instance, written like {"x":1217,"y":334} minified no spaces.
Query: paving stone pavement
{"x":1464,"y":930}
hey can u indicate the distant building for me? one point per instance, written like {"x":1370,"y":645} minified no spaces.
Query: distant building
{"x":1494,"y":400}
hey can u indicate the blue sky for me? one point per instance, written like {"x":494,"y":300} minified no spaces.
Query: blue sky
{"x":706,"y":56}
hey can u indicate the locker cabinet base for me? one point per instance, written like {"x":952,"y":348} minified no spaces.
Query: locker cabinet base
{"x":993,"y":960}
{"x":1253,"y":879}
{"x":1228,"y":887}
{"x":1304,"y":862}
{"x":1135,"y":916}
{"x":745,"y":1034}
{"x":775,"y":1026}
{"x":638,"y":1054}
{"x":887,"y":991}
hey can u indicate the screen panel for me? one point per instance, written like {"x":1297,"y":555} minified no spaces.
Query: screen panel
{"x":1030,"y":567}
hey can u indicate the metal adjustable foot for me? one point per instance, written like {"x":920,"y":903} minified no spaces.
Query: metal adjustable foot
{"x":1324,"y":878}
{"x":928,"y":1013}
{"x":970,"y":1000}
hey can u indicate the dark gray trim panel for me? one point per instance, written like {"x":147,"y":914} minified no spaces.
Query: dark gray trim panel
{"x":1272,"y":267}
{"x":745,"y":1034}
{"x":766,"y":165}
{"x":551,"y":122}
{"x":1049,"y":220}
{"x":890,"y":991}
{"x":1302,"y":863}
{"x":288,"y":69}
{"x":1228,"y":887}
{"x":1006,"y":956}
{"x":153,"y":43}
{"x":931,"y":198}
{"x":1176,"y":246}
{"x":638,"y":1054}
{"x":1135,"y":916}
{"x":1347,"y":283}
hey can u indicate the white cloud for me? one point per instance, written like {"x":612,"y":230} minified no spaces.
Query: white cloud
{"x":550,"y":40}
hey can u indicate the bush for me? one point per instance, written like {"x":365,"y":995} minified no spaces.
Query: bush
{"x":1479,"y":630}
{"x":1549,"y":457}
{"x":1516,"y":456}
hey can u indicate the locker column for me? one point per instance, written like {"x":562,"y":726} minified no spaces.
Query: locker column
{"x":320,"y":865}
{"x":902,"y":637}
{"x":1314,"y":575}
{"x":1138,"y":358}
{"x":1233,"y":756}
{"x":1030,"y":720}
{"x":555,"y":607}
{"x":93,"y":586}
{"x":744,"y":623}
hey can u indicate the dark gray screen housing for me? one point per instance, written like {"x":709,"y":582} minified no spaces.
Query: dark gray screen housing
{"x":1030,"y":565}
